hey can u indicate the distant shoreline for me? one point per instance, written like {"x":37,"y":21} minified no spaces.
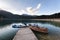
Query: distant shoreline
{"x":56,"y":20}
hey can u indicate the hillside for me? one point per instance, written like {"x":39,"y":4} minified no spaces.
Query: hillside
{"x":8,"y":15}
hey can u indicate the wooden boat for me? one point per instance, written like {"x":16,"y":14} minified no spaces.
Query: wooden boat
{"x":39,"y":29}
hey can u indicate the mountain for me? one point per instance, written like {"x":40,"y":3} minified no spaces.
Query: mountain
{"x":5,"y":14}
{"x":25,"y":15}
{"x":9,"y":15}
{"x":55,"y":15}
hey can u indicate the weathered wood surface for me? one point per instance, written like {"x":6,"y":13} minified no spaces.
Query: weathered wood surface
{"x":25,"y":34}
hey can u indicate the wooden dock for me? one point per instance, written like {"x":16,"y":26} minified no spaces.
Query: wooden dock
{"x":25,"y":34}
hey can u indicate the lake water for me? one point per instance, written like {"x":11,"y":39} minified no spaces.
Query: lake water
{"x":7,"y":32}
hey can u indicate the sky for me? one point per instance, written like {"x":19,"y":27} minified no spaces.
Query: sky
{"x":31,"y":7}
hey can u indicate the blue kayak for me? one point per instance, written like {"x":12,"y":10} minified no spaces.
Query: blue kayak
{"x":18,"y":26}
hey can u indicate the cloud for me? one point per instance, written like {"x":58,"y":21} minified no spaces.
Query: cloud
{"x":38,"y":6}
{"x":31,"y":10}
{"x":7,"y":5}
{"x":4,"y":5}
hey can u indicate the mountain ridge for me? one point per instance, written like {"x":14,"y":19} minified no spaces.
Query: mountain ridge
{"x":9,"y":15}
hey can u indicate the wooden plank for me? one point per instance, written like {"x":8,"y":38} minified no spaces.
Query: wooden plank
{"x":25,"y":34}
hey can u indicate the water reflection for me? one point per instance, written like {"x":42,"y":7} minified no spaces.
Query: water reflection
{"x":7,"y":32}
{"x":53,"y":32}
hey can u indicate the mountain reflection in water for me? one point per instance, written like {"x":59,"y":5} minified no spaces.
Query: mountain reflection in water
{"x":7,"y":32}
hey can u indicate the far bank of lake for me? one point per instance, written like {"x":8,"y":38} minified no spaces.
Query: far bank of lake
{"x":55,"y":20}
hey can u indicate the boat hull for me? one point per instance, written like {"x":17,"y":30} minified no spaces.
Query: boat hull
{"x":41,"y":30}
